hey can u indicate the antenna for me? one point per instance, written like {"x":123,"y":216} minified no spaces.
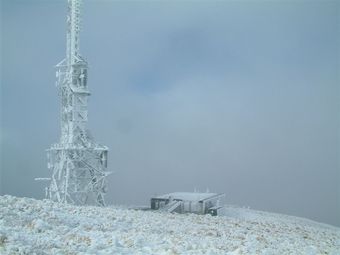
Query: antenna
{"x":77,"y":162}
{"x":73,"y":30}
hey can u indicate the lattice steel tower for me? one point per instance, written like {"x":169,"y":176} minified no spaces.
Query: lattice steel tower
{"x":77,"y":162}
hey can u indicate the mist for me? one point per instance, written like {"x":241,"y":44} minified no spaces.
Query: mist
{"x":237,"y":97}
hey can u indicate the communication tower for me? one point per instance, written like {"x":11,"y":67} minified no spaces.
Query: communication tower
{"x":77,"y":162}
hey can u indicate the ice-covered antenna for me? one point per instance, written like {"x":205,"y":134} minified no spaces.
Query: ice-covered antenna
{"x":73,"y":30}
{"x":77,"y":162}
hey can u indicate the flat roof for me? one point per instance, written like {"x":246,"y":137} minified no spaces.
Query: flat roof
{"x":189,"y":196}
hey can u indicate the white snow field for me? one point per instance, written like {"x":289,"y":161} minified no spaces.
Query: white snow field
{"x":29,"y":226}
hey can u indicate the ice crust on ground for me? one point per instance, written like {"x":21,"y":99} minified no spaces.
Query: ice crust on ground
{"x":29,"y":226}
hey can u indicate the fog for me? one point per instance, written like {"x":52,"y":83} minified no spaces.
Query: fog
{"x":237,"y":97}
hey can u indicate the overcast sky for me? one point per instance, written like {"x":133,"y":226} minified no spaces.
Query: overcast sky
{"x":240,"y":97}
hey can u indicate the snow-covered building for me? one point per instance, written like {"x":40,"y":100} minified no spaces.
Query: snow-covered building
{"x":188,"y":202}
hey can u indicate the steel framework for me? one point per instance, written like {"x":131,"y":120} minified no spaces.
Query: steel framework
{"x":78,"y":163}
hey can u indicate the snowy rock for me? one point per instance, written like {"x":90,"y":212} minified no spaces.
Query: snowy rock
{"x":40,"y":225}
{"x":29,"y":226}
{"x":2,"y":239}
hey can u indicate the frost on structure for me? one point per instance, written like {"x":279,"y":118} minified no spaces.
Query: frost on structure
{"x":77,"y":162}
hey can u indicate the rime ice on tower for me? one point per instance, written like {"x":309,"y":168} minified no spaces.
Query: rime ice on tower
{"x":77,"y":162}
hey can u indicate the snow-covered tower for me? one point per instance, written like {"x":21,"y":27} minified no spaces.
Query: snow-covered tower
{"x":77,"y":162}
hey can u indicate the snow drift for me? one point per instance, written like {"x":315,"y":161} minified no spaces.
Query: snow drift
{"x":29,"y":226}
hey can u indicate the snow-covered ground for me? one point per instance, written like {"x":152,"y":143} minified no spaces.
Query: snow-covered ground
{"x":29,"y":226}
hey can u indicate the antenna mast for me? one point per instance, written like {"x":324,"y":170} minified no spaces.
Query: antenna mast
{"x":77,"y":162}
{"x":73,"y":30}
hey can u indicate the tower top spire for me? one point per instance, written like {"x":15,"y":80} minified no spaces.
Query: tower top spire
{"x":73,"y":30}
